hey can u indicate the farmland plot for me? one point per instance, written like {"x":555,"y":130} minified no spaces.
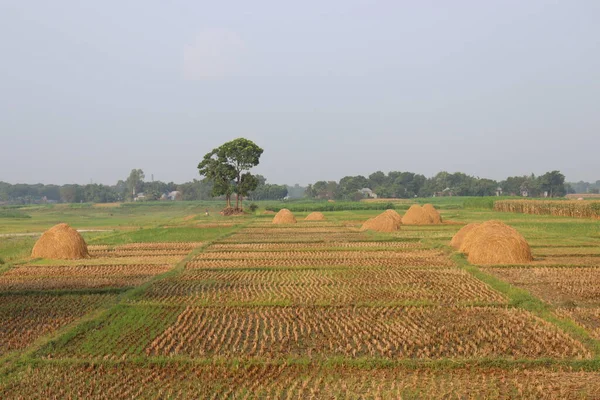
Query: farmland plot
{"x":184,"y":381}
{"x":26,"y":317}
{"x":555,"y":284}
{"x":49,"y":277}
{"x":393,"y":332}
{"x":341,"y":286}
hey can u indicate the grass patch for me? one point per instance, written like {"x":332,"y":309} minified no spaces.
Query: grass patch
{"x":184,"y":234}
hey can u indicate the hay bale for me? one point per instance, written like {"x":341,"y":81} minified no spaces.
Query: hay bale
{"x":384,"y":222}
{"x":395,"y":216}
{"x":315,"y":216}
{"x":459,"y":237}
{"x":494,"y":242}
{"x":416,"y":216}
{"x":284,"y":216}
{"x":434,"y":214}
{"x":61,"y":242}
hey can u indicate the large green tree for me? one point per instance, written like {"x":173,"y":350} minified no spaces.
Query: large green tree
{"x":228,"y":165}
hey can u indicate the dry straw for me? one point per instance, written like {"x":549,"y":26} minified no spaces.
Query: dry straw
{"x":284,"y":216}
{"x":315,"y":216}
{"x":459,"y":237}
{"x":416,"y":216}
{"x":434,"y":214}
{"x":61,"y":242}
{"x":388,"y":221}
{"x":494,"y":242}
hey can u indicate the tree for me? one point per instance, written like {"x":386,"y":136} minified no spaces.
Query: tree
{"x":553,"y":183}
{"x":135,"y":181}
{"x":71,"y":193}
{"x":226,"y":165}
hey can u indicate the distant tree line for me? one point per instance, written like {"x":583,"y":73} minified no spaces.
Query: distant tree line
{"x":391,"y":185}
{"x":397,"y":184}
{"x":126,"y":190}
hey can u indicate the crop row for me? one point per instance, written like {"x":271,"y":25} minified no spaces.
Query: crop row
{"x":291,"y":231}
{"x":297,"y":237}
{"x":430,"y":258}
{"x":315,"y":254}
{"x":577,"y":209}
{"x":302,"y":246}
{"x":588,"y":318}
{"x":391,"y":332}
{"x":139,"y":253}
{"x":45,"y":277}
{"x":147,"y":246}
{"x":24,"y":318}
{"x":182,"y":381}
{"x":557,"y":285}
{"x":334,"y":287}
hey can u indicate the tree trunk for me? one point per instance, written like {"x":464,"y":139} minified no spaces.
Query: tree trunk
{"x":228,"y":198}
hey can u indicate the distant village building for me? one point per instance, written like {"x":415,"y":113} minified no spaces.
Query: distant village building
{"x":498,"y":191}
{"x":366,"y":192}
{"x":140,"y":197}
{"x":172,"y":196}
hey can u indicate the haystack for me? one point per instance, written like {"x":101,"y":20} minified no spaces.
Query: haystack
{"x":430,"y":210}
{"x":284,"y":216}
{"x":416,"y":216}
{"x":315,"y":216}
{"x":395,"y":216}
{"x":494,"y":242}
{"x":459,"y":237}
{"x":61,"y":242}
{"x":384,"y":222}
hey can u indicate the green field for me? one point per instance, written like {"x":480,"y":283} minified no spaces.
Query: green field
{"x":176,"y":304}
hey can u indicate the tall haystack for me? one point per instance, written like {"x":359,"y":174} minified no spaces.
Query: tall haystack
{"x":459,"y":237}
{"x":384,"y":222}
{"x":315,"y":216}
{"x":494,"y":242}
{"x":416,"y":216}
{"x":395,"y":216}
{"x":284,"y":216}
{"x":61,"y":242}
{"x":430,"y":210}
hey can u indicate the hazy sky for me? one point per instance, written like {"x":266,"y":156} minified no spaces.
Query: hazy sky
{"x":90,"y":90}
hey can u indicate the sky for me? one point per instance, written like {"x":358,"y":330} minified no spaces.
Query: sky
{"x":91,"y":90}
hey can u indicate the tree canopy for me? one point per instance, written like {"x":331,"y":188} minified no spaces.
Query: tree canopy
{"x":227,"y":167}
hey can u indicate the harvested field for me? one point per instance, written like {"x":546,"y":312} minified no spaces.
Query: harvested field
{"x":332,"y":287}
{"x":189,"y":246}
{"x":28,"y":317}
{"x":48,"y":277}
{"x":587,"y":318}
{"x":290,"y":231}
{"x":182,"y":381}
{"x":296,"y":237}
{"x":390,"y":332}
{"x":311,"y":246}
{"x":556,"y":285}
{"x":314,"y":254}
{"x":428,"y":258}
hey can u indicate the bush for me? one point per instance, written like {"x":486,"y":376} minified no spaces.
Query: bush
{"x":253,"y":207}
